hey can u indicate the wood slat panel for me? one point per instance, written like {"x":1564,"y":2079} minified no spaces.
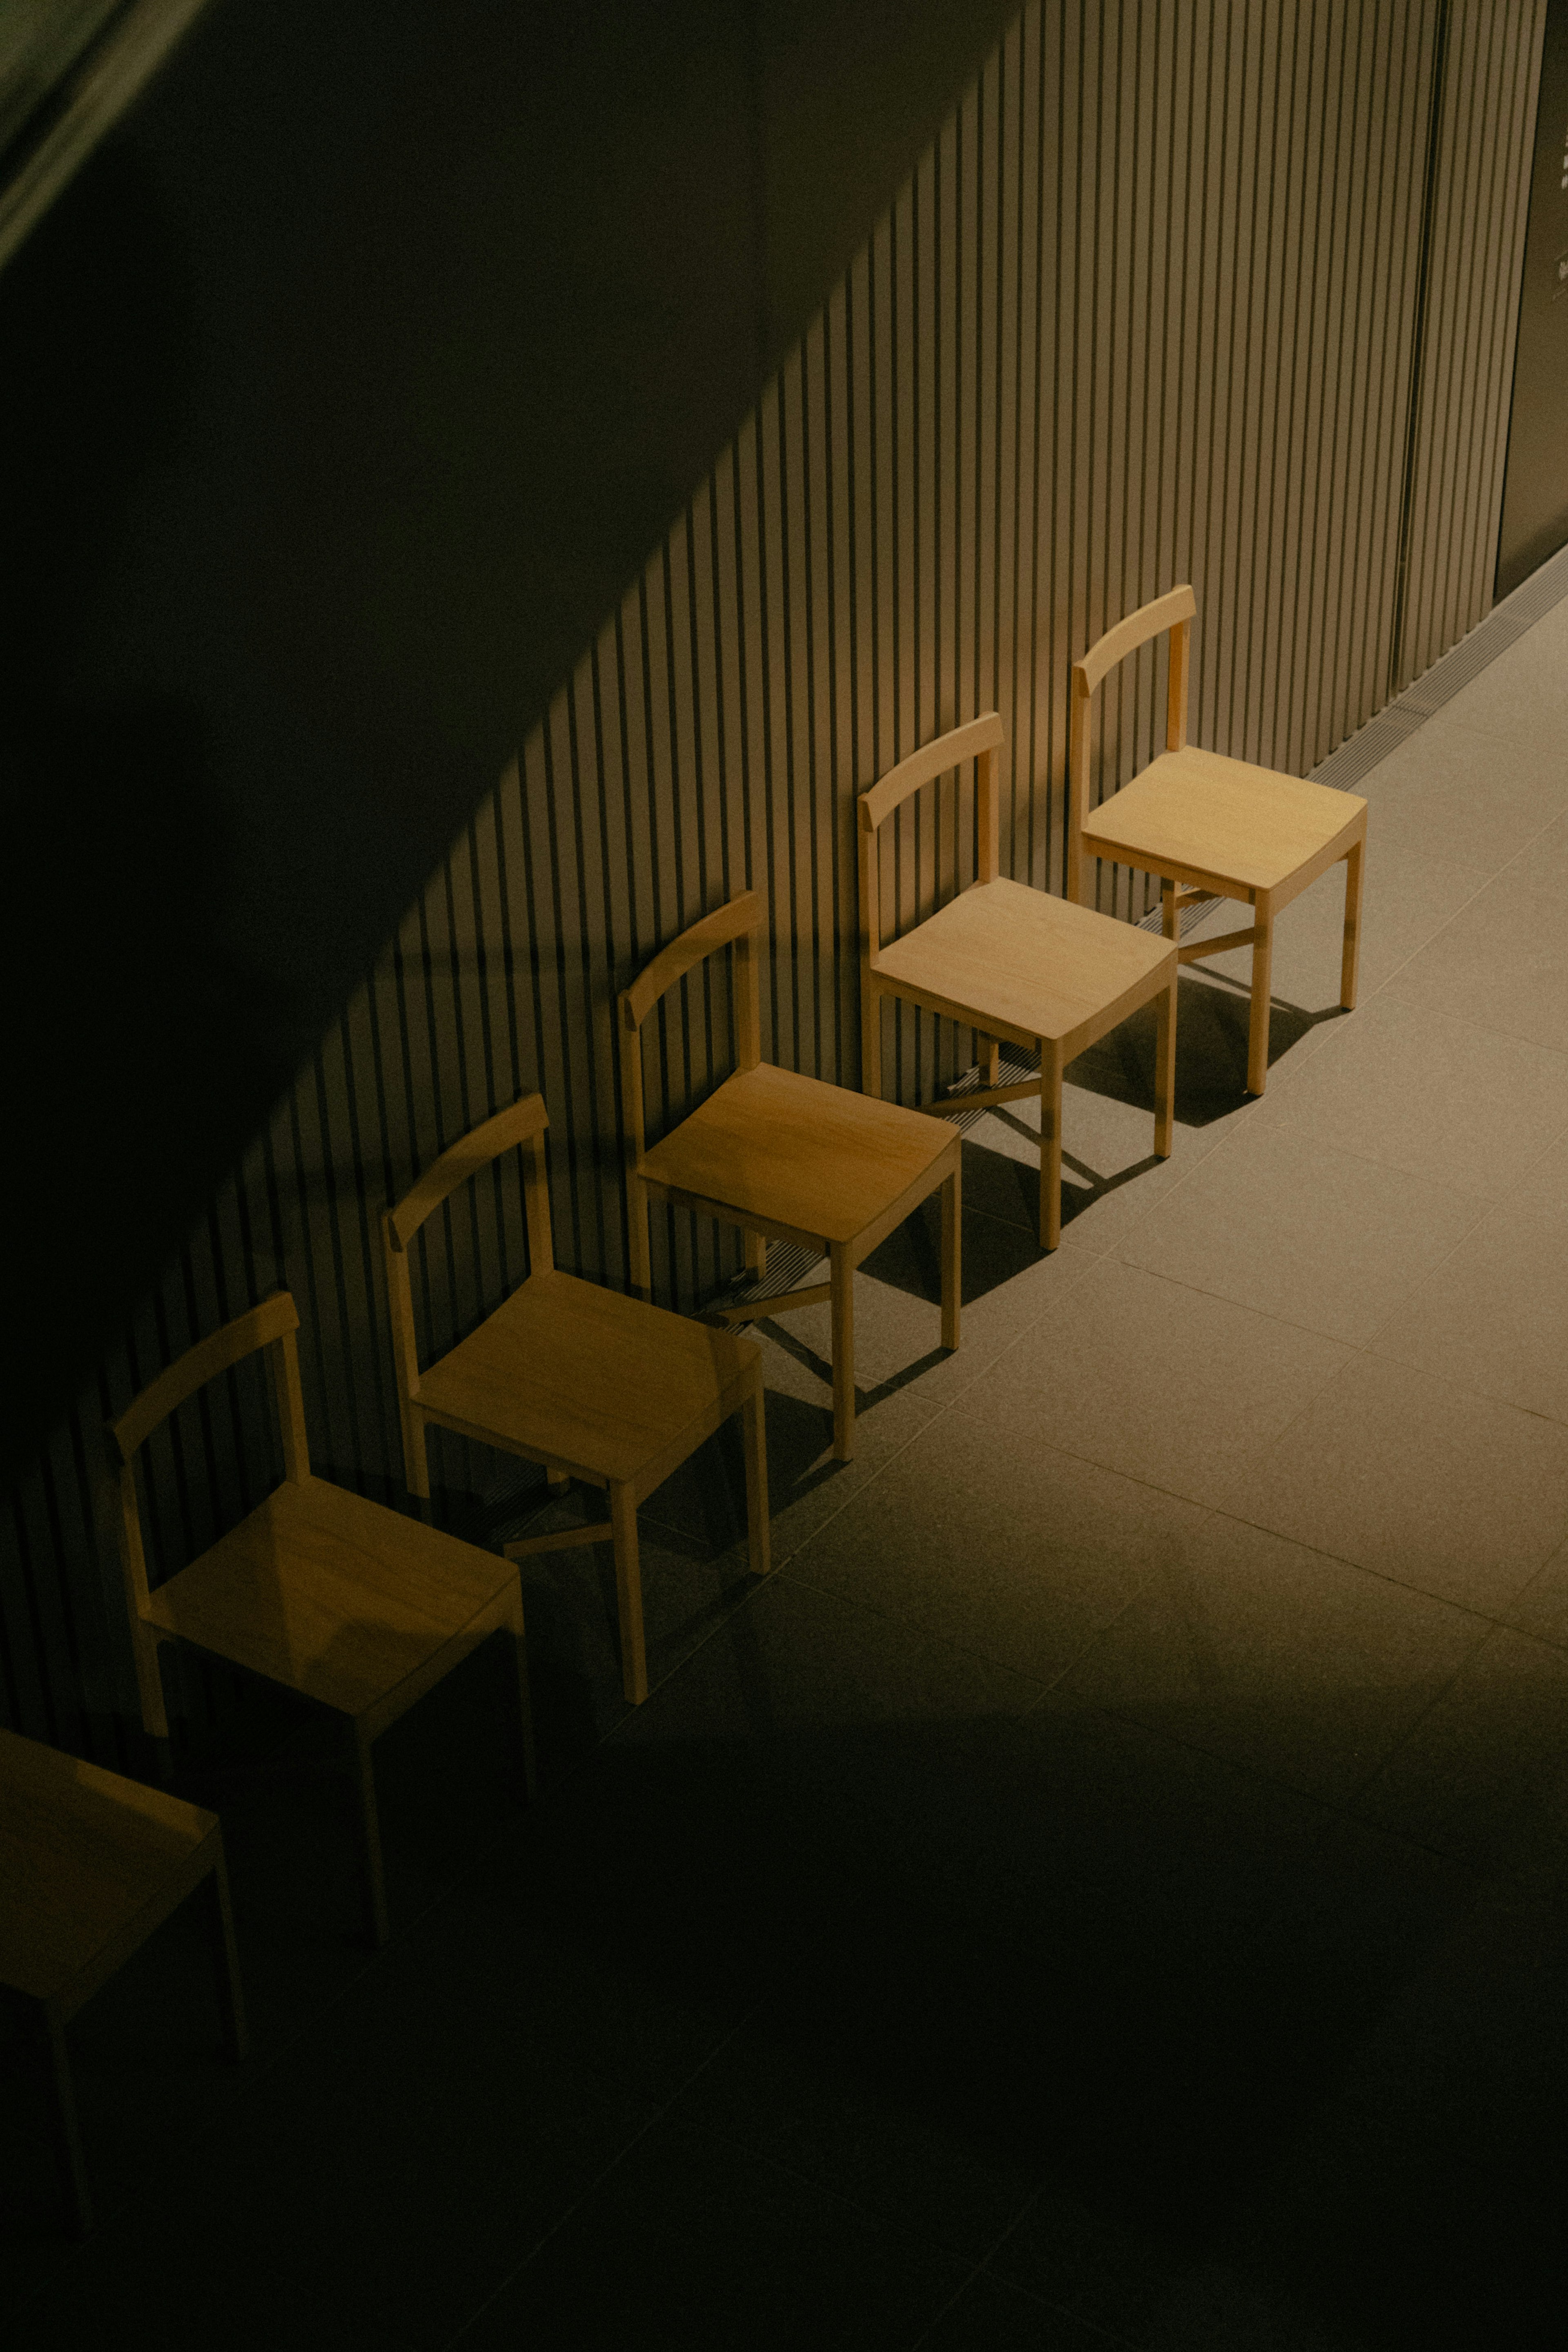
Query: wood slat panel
{"x":1146,"y":312}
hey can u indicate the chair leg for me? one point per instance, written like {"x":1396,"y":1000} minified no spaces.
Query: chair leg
{"x":1165,"y":1068}
{"x":224,"y":1952}
{"x":1352,"y":954}
{"x":755,"y":1254}
{"x":1262,"y":976}
{"x":370,"y":1837}
{"x":952,"y":1252}
{"x":639,"y":1244}
{"x":628,"y":1592}
{"x":525,"y":1700}
{"x":871,"y":1037}
{"x":842,"y":1311}
{"x":987,"y":1059}
{"x":1050,"y":1144}
{"x":415,"y":1452}
{"x":755,"y":1444}
{"x":146,"y":1649}
{"x":1170,"y":917}
{"x":67,"y":2131}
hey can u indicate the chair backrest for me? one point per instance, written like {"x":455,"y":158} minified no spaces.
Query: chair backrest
{"x":272,"y":1326}
{"x":737,"y":924}
{"x":1174,"y":611}
{"x":978,"y":739}
{"x":524,"y":1123}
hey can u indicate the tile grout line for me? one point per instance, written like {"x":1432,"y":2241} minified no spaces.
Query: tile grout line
{"x":982,"y":2270}
{"x":1221,"y":1511}
{"x":883,"y":2218}
{"x":591,"y":2188}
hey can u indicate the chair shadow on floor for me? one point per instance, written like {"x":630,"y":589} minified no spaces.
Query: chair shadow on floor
{"x":999,"y":1184}
{"x":1211,"y":1050}
{"x":697,"y":1518}
{"x":695,"y":1576}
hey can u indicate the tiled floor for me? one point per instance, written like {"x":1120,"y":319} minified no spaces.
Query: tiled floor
{"x":1107,"y":1887}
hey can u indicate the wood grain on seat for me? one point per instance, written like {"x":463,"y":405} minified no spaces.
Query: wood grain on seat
{"x":587,"y":1382}
{"x":90,"y":1863}
{"x":1011,"y":962}
{"x":1208,"y":825}
{"x":325,"y":1592}
{"x":785,"y":1157}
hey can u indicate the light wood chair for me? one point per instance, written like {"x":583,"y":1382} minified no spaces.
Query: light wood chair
{"x":324,"y":1591}
{"x":588,"y":1383}
{"x":90,"y":1863}
{"x":786,"y":1158}
{"x":1017,"y":965}
{"x":1223,"y":827}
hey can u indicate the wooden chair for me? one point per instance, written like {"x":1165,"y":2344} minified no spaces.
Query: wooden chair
{"x":785,"y":1158}
{"x":588,"y":1383}
{"x":90,"y":1863}
{"x":321,"y":1590}
{"x":1013,"y":964}
{"x":1222,"y":826}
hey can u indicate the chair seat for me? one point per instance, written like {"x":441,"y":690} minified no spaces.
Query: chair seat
{"x":1202,"y":818}
{"x":1019,"y":963}
{"x":797,"y":1151}
{"x":331,"y":1594}
{"x":85,"y":1855}
{"x":601,"y":1385}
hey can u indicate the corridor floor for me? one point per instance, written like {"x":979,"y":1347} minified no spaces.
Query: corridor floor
{"x":1108,"y":1887}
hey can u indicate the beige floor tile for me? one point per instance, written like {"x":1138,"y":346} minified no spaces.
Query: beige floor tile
{"x":1216,"y":1005}
{"x":903,"y":1377}
{"x":1260,"y":1651}
{"x":1453,"y":1494}
{"x":1503,"y":962}
{"x":1111,"y":1179}
{"x":1495,"y":1317}
{"x":1494,"y":1746}
{"x":1541,"y":1608}
{"x":1406,"y":898}
{"x":1215,"y":1018}
{"x":1167,"y":1385}
{"x":1020,"y":1553}
{"x":1542,"y":1190}
{"x":1522,"y":696}
{"x":1430,"y":794}
{"x":1298,"y":1229}
{"x":1416,"y":1088}
{"x":1544,"y":861}
{"x":799,"y":1659}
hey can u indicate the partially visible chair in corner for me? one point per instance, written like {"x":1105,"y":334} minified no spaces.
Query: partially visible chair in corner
{"x":1222,"y":827}
{"x":785,"y":1158}
{"x":352,"y":1605}
{"x":1015,"y":964}
{"x":581,"y":1379}
{"x":90,"y":1863}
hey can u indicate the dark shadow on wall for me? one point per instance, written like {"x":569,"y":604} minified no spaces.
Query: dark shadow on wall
{"x":340,"y":397}
{"x":137,"y":1045}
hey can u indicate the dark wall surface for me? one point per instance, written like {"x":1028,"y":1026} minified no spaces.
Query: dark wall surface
{"x":339,"y":397}
{"x":1536,"y":490}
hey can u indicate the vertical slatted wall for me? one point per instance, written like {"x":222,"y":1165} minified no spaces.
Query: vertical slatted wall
{"x":1482,"y":190}
{"x":1144,"y":312}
